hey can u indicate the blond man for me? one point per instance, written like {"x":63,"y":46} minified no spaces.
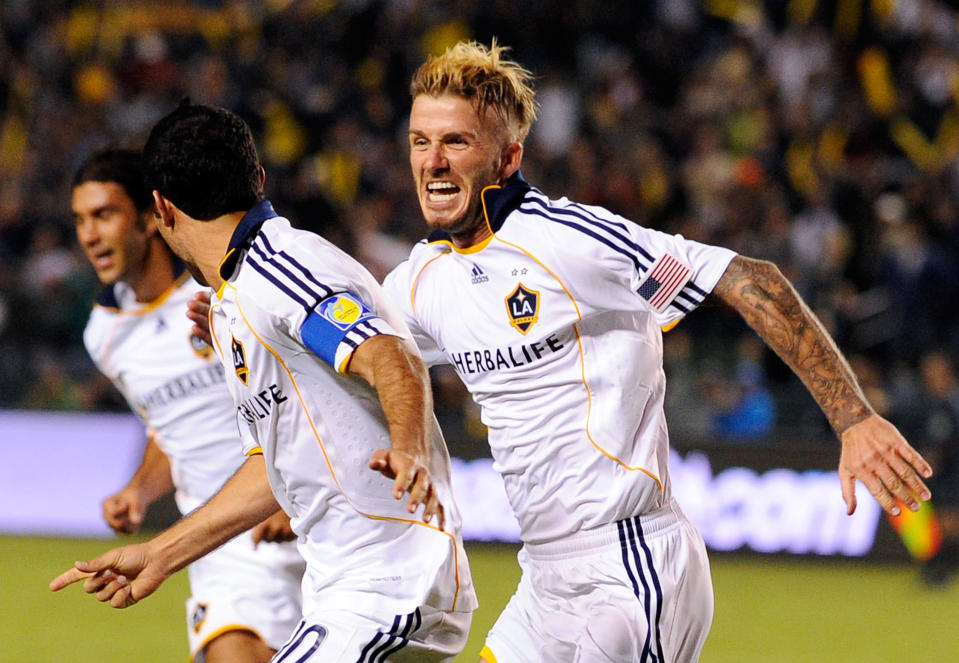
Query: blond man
{"x":551,"y":313}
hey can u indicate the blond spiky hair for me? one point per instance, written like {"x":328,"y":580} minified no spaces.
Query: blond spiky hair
{"x":485,"y":77}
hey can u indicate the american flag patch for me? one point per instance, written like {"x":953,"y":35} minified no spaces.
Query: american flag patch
{"x":665,"y":278}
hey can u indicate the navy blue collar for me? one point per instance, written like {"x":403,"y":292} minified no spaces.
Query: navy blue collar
{"x":108,"y":295}
{"x":498,"y":202}
{"x":243,"y":235}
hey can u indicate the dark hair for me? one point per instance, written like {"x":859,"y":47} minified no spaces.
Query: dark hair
{"x":204,"y":161}
{"x":120,"y":165}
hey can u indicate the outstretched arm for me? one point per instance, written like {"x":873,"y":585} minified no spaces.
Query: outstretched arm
{"x":872,"y":449}
{"x":129,"y":574}
{"x":402,"y":384}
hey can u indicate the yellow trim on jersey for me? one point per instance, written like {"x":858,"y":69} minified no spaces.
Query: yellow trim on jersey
{"x":216,"y":342}
{"x":420,"y":273}
{"x":255,"y":451}
{"x":666,"y":328}
{"x":582,"y":354}
{"x":475,"y":248}
{"x":177,"y":282}
{"x":326,"y":456}
{"x":489,"y":226}
{"x":522,"y":250}
{"x":219,"y":268}
{"x":487,"y":655}
{"x":226,"y":629}
{"x":589,"y":409}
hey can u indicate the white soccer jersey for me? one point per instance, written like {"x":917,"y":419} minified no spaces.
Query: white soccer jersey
{"x":554,"y":325}
{"x":174,"y":382}
{"x":286,"y":320}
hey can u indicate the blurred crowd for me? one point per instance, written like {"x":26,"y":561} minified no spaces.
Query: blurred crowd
{"x":821,"y":135}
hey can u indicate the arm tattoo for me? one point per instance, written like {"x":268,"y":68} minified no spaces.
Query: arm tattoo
{"x":770,"y":305}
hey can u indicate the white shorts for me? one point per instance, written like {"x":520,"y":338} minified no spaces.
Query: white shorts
{"x":239,"y":588}
{"x":342,"y":636}
{"x":638,"y":590}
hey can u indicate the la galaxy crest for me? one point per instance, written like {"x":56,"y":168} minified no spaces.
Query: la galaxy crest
{"x":239,"y":362}
{"x":522,"y":305}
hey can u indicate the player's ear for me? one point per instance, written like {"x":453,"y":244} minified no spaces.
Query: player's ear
{"x":147,"y":221}
{"x":512,"y":157}
{"x":163,"y":210}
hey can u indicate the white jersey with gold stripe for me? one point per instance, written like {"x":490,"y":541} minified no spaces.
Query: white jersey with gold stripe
{"x":172,"y":380}
{"x":175,"y":383}
{"x":554,"y":325}
{"x":290,"y":313}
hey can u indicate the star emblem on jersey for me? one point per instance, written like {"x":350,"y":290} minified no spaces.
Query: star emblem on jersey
{"x":523,"y":307}
{"x":239,"y":362}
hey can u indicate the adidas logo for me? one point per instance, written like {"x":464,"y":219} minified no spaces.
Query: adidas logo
{"x":478,"y":275}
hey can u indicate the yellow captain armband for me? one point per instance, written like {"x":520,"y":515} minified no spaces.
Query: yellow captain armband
{"x":669,"y":327}
{"x":255,"y":451}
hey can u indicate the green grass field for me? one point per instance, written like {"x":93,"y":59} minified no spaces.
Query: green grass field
{"x":767,"y":610}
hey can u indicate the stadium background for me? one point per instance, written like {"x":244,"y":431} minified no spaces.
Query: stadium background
{"x":821,"y":135}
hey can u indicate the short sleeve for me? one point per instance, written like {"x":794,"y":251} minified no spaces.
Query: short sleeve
{"x":626,"y":264}
{"x":338,"y":325}
{"x":398,"y":287}
{"x":680,"y":274}
{"x":249,"y":444}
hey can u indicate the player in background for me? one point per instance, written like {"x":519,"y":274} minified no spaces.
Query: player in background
{"x":324,"y":375}
{"x":551,"y":313}
{"x":245,"y":597}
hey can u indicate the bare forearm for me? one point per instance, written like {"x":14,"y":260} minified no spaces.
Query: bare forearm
{"x":406,"y":400}
{"x":243,"y":501}
{"x":402,"y":385}
{"x":153,"y":478}
{"x":771,"y":306}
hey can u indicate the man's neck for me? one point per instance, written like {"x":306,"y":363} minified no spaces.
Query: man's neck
{"x":156,"y":274}
{"x":211,"y":245}
{"x":464,"y":241}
